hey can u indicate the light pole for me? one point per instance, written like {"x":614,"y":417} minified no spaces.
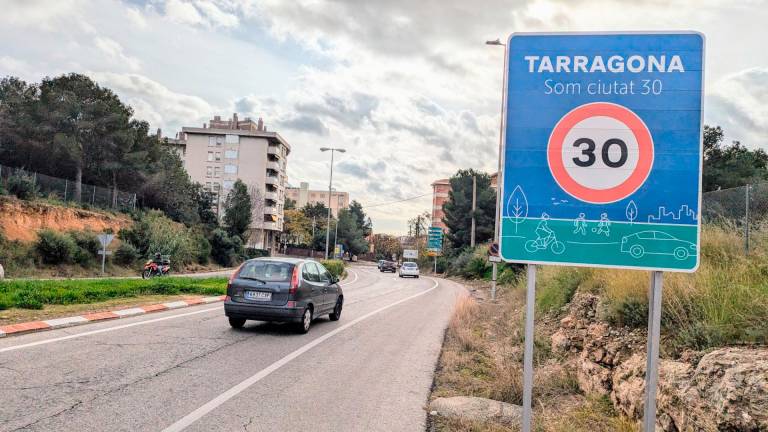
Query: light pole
{"x":494,"y":273}
{"x":330,"y":192}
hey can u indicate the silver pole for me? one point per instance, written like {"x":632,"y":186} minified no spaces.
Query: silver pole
{"x":103,"y":258}
{"x":328,"y":225}
{"x":435,"y":264}
{"x":652,"y":360}
{"x":530,"y":303}
{"x":498,"y":174}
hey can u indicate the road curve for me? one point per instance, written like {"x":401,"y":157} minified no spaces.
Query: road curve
{"x":188,"y":370}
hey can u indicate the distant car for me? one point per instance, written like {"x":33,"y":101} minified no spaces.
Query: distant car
{"x":284,"y":290}
{"x":410,"y":269}
{"x":380,"y":263}
{"x":388,"y":266}
{"x":656,"y":243}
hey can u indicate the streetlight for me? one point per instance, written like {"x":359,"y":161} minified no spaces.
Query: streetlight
{"x":330,"y":192}
{"x":494,"y":273}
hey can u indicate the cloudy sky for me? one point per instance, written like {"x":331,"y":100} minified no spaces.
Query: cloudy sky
{"x":407,"y":87}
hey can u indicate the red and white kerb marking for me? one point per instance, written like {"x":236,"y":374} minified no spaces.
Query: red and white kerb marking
{"x":600,"y":152}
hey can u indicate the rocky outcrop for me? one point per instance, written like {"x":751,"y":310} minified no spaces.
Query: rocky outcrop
{"x":476,"y":409}
{"x":722,"y":390}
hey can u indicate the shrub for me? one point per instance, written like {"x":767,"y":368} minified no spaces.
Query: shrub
{"x":202,"y":248}
{"x":456,"y":268}
{"x":251,"y":253}
{"x":55,"y":248}
{"x":225,"y":249}
{"x":126,"y":254}
{"x":88,"y":247}
{"x":23,"y":186}
{"x":152,"y":233}
{"x":334,"y":266}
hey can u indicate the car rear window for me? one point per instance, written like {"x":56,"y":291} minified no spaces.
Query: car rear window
{"x":268,"y":271}
{"x":409,"y":264}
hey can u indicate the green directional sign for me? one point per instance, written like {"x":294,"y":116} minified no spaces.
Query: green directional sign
{"x":435,"y":240}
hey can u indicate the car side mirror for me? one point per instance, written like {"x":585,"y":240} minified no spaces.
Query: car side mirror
{"x":334,"y":279}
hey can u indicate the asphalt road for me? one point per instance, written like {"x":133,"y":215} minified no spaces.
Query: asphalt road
{"x":188,"y":370}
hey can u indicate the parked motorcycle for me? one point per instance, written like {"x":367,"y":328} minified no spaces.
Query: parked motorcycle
{"x":156,"y":267}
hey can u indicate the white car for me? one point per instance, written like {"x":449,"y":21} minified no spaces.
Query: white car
{"x":409,"y":269}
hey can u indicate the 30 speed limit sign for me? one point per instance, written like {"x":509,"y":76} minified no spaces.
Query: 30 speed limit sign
{"x":602,"y":150}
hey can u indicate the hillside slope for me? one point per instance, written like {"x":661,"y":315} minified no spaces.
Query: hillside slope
{"x":21,"y":220}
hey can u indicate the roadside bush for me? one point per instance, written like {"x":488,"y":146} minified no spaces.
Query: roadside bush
{"x":334,"y":266}
{"x":23,"y":186}
{"x":457,"y":265}
{"x":202,"y":248}
{"x":225,"y":249}
{"x":88,"y":247}
{"x":152,"y":233}
{"x":126,"y":254}
{"x":55,"y":248}
{"x":251,"y":253}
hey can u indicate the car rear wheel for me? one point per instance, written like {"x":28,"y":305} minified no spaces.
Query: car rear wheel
{"x":336,"y":314}
{"x":236,"y":322}
{"x":306,"y":321}
{"x":636,"y":251}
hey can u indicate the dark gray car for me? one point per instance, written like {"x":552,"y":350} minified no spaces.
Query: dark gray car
{"x":282,"y":289}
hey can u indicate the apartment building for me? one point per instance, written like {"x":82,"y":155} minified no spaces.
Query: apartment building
{"x":223,"y":151}
{"x":440,"y":190}
{"x":303,"y":196}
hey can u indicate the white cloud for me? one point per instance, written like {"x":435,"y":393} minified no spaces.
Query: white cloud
{"x":114,"y":51}
{"x":738,"y":104}
{"x":182,"y":12}
{"x":216,"y":16}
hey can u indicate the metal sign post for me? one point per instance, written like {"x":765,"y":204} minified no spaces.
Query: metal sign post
{"x":105,"y":240}
{"x":601,"y":163}
{"x":652,"y":353}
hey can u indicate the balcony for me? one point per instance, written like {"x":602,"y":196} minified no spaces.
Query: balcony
{"x":271,"y":226}
{"x":273,"y":166}
{"x":272,"y":180}
{"x":271,"y":196}
{"x":273,"y":150}
{"x":270,"y":210}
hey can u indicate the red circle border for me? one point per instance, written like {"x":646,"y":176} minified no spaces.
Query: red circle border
{"x":616,"y":193}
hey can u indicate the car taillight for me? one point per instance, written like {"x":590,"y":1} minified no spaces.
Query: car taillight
{"x":294,"y":281}
{"x":234,"y":275}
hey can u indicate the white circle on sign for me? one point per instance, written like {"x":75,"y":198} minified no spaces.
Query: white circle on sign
{"x":584,"y":143}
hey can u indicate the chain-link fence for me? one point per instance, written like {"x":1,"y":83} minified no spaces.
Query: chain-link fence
{"x":742,"y":210}
{"x":64,"y":190}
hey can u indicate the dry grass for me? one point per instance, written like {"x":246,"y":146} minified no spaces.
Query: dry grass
{"x":482,"y":356}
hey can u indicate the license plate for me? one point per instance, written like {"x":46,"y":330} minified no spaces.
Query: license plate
{"x":258,"y":295}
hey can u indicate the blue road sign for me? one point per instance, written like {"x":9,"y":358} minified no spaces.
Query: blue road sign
{"x":602,"y":150}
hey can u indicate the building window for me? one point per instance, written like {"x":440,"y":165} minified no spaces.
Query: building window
{"x":216,"y":187}
{"x":230,"y":154}
{"x":216,"y":140}
{"x":230,"y":169}
{"x":218,"y":156}
{"x":228,"y":184}
{"x":216,"y":172}
{"x":210,"y":156}
{"x":208,"y":171}
{"x":233,"y":139}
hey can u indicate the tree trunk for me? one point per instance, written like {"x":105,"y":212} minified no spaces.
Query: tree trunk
{"x":79,"y":182}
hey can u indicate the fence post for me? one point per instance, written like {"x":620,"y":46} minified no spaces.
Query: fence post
{"x":746,"y":219}
{"x":93,"y":197}
{"x":134,"y":202}
{"x":66,"y":185}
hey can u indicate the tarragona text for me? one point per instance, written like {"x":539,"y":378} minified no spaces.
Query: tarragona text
{"x":613,"y":64}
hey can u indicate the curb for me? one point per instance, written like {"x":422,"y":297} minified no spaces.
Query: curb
{"x":57,"y":323}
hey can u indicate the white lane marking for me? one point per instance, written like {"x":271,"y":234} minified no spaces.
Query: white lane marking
{"x":197,"y":414}
{"x":104,"y":330}
{"x":350,"y":283}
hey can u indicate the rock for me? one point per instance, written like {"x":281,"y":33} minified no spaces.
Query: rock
{"x":477,"y":409}
{"x":560,"y":342}
{"x":594,"y":378}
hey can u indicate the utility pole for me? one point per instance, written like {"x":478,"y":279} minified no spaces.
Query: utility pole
{"x":330,"y":193}
{"x":499,"y":178}
{"x":474,"y":207}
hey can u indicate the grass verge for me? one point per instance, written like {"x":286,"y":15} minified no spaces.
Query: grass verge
{"x":35,"y":294}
